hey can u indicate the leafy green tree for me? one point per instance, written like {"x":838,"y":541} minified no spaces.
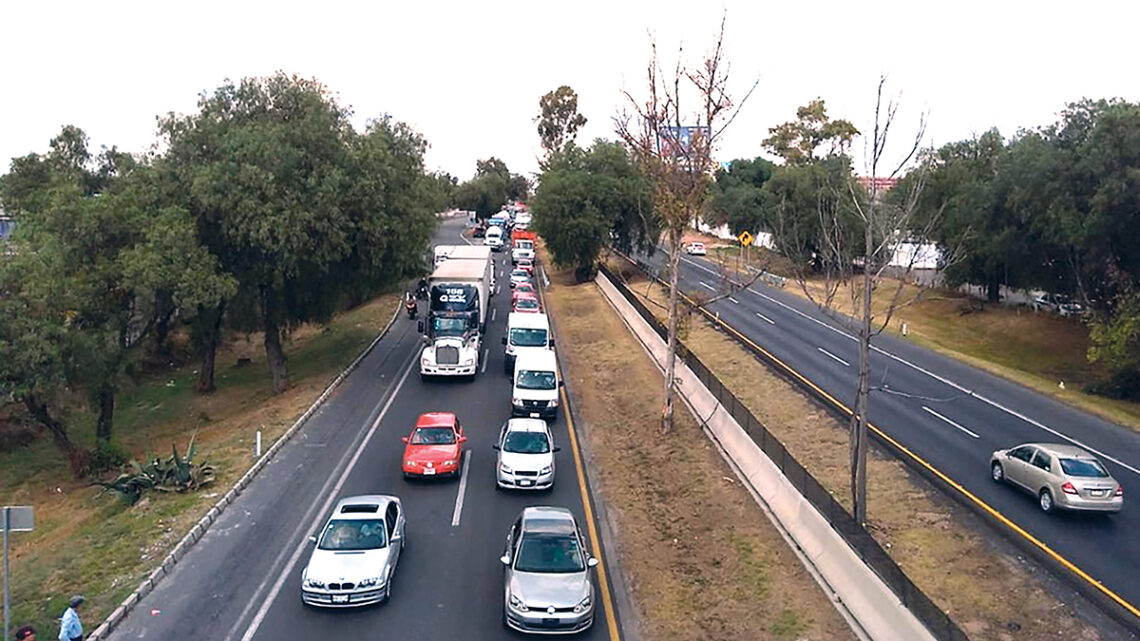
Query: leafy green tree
{"x":798,"y":197}
{"x":799,"y":141}
{"x":558,"y":119}
{"x":518,"y":187}
{"x":487,"y":192}
{"x":587,"y":198}
{"x":439,"y":190}
{"x":738,"y":198}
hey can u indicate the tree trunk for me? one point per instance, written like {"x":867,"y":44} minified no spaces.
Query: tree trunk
{"x":76,"y":457}
{"x":671,"y":354}
{"x":209,"y":324}
{"x":863,"y":393}
{"x":106,"y":420}
{"x":993,"y":288}
{"x":163,"y":314}
{"x":274,"y":354}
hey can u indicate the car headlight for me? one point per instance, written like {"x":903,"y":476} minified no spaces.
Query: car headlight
{"x":553,"y":403}
{"x":449,"y":462}
{"x":516,"y":401}
{"x":583,"y":605}
{"x":546,"y":470}
{"x":505,"y":469}
{"x":517,"y":604}
{"x":367,"y":583}
{"x":314,"y":583}
{"x":469,"y":361}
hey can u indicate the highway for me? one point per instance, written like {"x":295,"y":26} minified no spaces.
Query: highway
{"x":949,"y":413}
{"x":241,"y":582}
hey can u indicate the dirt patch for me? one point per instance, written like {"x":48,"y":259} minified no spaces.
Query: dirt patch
{"x":701,"y":559}
{"x":985,"y":591}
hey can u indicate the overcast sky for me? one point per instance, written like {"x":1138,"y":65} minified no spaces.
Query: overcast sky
{"x":468,"y":75}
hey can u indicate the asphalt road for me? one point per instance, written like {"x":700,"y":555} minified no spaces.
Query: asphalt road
{"x":950,"y":414}
{"x":242,"y":580}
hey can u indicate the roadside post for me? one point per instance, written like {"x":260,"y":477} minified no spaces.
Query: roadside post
{"x":745,"y":239}
{"x":17,"y":518}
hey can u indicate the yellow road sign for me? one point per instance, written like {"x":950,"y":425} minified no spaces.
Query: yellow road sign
{"x":745,"y":238}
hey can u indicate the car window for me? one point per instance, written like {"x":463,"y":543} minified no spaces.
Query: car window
{"x":550,"y":553}
{"x":390,"y":517}
{"x":1043,"y":460}
{"x":350,"y":534}
{"x":526,"y":443}
{"x":1021,"y":453}
{"x":528,"y":337}
{"x":1084,"y":467}
{"x":535,"y":379}
{"x":434,"y":436}
{"x":527,"y":303}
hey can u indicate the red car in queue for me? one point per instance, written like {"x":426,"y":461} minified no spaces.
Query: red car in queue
{"x":435,"y":446}
{"x":526,"y":303}
{"x":526,"y":265}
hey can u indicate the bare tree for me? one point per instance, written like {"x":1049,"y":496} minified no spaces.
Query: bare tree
{"x":674,"y":145}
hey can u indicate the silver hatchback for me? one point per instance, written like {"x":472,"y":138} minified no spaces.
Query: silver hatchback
{"x":1060,"y":476}
{"x":547,"y":586}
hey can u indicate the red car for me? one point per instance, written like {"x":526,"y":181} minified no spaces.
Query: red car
{"x":435,"y":446}
{"x":526,"y":265}
{"x":524,"y":288}
{"x":526,"y":303}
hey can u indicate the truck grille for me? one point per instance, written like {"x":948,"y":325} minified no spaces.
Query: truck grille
{"x":534,"y":405}
{"x":447,"y":355}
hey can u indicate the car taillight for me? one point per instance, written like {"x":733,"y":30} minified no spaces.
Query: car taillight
{"x":1120,"y":490}
{"x":1068,"y":488}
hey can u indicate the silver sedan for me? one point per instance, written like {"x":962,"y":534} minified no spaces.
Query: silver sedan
{"x":1060,"y":476}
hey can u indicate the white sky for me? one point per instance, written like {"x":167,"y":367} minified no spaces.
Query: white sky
{"x":468,"y":75}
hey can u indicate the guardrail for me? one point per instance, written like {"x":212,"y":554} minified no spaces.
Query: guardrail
{"x":914,"y":599}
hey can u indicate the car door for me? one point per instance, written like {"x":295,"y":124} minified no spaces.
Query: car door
{"x":1040,"y":471}
{"x":394,"y":521}
{"x":1017,"y":465}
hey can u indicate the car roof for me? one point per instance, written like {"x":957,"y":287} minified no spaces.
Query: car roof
{"x":543,"y":358}
{"x":527,"y":321}
{"x":527,"y":425}
{"x":1060,"y":449}
{"x":548,"y":520}
{"x":360,"y":507}
{"x":436,"y":419}
{"x":526,"y":296}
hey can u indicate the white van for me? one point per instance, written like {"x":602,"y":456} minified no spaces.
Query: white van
{"x":494,"y":238}
{"x":525,"y":333}
{"x":536,"y":386}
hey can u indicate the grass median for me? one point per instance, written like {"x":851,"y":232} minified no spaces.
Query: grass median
{"x":92,"y":543}
{"x":701,"y":559}
{"x":941,"y":545}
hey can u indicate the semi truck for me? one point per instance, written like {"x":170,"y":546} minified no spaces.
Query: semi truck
{"x":466,"y":252}
{"x":458,"y":306}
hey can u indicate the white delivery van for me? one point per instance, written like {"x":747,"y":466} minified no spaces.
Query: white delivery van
{"x":525,"y":333}
{"x":536,"y":386}
{"x":494,"y":238}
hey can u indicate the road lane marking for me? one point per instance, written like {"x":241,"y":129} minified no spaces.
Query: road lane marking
{"x":941,"y":379}
{"x":303,"y":545}
{"x":930,"y":411}
{"x":769,"y":320}
{"x":485,"y":353}
{"x":462,"y":489}
{"x":704,"y":284}
{"x":493,"y":310}
{"x":827,"y":353}
{"x":733,"y":300}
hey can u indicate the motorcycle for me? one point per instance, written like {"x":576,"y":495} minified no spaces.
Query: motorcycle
{"x":411,"y":308}
{"x":422,"y":291}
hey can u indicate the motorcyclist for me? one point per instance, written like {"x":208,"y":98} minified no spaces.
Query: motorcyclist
{"x":422,"y":289}
{"x":410,"y":305}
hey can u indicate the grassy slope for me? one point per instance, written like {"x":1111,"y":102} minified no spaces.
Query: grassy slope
{"x":701,"y":559}
{"x":91,"y":543}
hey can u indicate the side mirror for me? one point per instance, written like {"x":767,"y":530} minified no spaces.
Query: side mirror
{"x":506,"y":558}
{"x":420,"y":325}
{"x":313,"y":539}
{"x":551,"y":343}
{"x":495,"y":446}
{"x":462,"y":439}
{"x":591,"y":562}
{"x":504,"y":340}
{"x":404,"y":439}
{"x":557,"y":449}
{"x":561,"y":383}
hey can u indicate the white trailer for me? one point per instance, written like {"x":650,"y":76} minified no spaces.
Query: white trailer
{"x":458,"y":306}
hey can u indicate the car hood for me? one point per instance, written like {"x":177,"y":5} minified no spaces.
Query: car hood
{"x":539,"y":590}
{"x":434,"y":453}
{"x":329,"y":566}
{"x":528,"y":462}
{"x":536,"y":394}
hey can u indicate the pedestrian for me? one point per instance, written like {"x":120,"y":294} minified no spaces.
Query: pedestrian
{"x":70,"y":628}
{"x":26,"y":633}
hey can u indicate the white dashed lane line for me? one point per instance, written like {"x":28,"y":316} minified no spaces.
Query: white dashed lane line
{"x":833,"y":356}
{"x":936,"y":414}
{"x":766,"y":319}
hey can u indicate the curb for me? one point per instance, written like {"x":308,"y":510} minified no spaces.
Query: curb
{"x":183,"y":546}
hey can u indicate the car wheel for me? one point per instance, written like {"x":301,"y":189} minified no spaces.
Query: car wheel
{"x":1045,"y":499}
{"x":996,"y":473}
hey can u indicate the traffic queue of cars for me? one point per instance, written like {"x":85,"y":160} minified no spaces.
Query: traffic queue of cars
{"x":548,"y":585}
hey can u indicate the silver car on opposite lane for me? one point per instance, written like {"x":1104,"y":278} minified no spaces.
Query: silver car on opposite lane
{"x":1060,"y":476}
{"x":547,"y":586}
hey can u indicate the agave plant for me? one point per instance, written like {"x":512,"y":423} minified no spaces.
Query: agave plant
{"x":176,"y":473}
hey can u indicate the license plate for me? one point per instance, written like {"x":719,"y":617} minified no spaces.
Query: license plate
{"x":1098,"y":492}
{"x":526,"y":483}
{"x":550,"y":622}
{"x":535,"y":415}
{"x":428,"y":471}
{"x":340,"y":598}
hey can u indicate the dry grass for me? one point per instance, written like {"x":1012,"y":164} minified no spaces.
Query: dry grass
{"x":702,"y":561}
{"x":91,"y":543}
{"x":983,"y":590}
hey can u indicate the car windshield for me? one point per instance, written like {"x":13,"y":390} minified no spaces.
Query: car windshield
{"x":1083,"y":467}
{"x":528,"y":337}
{"x":550,"y":553}
{"x":518,"y":273}
{"x":529,"y":379}
{"x":526,"y":288}
{"x":526,"y":443}
{"x":523,"y":244}
{"x":527,"y":303}
{"x":344,"y":535}
{"x":433,"y":436}
{"x":441,"y":326}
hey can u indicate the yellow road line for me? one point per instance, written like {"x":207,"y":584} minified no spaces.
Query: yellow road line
{"x":595,"y":541}
{"x":1067,"y":564}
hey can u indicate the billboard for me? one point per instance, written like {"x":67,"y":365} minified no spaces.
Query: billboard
{"x":676,"y":141}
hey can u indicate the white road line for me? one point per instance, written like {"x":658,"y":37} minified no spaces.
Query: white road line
{"x":769,"y":320}
{"x":485,"y":353}
{"x":941,"y":379}
{"x":303,"y":545}
{"x":827,"y":353}
{"x":493,"y":310}
{"x":704,"y":284}
{"x":462,"y":489}
{"x":930,"y":411}
{"x":733,"y":300}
